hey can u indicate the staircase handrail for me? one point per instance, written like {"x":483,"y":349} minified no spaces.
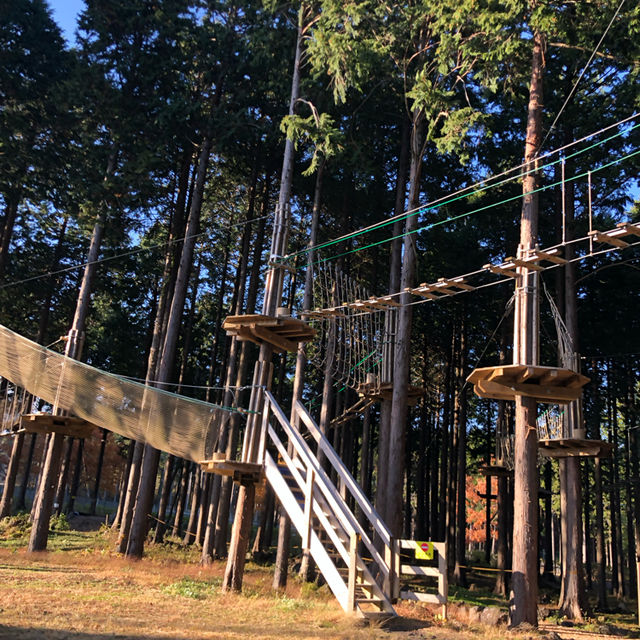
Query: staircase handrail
{"x":345,"y":475}
{"x":335,"y":499}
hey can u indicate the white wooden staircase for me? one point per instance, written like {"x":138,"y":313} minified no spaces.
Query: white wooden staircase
{"x":362,"y":575}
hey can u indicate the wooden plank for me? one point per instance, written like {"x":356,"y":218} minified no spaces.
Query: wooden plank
{"x":550,"y":256}
{"x":283,"y":344}
{"x":526,"y":263}
{"x":629,"y":228}
{"x":414,"y":570}
{"x":458,"y":283}
{"x":428,"y":598}
{"x":423,"y":293}
{"x":608,"y":239}
{"x":500,"y":270}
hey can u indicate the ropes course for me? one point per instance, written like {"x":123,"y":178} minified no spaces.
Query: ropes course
{"x":351,"y":345}
{"x":183,"y":426}
{"x":538,"y":259}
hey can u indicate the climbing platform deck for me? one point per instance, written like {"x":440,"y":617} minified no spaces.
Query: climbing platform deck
{"x":384,"y":391}
{"x":574,"y":447}
{"x":545,"y":384}
{"x":495,"y":470}
{"x":241,"y":472}
{"x":47,"y":423}
{"x":282,"y":333}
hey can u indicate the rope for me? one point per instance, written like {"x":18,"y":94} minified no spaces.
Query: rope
{"x":462,"y":193}
{"x":586,"y":66}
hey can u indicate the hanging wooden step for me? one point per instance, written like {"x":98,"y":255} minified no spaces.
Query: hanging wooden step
{"x":350,"y":413}
{"x":384,"y":391}
{"x":627,"y":228}
{"x":503,"y":269}
{"x":241,"y":472}
{"x":321,"y":314}
{"x":548,"y":255}
{"x":545,"y":384}
{"x":610,"y":237}
{"x":440,"y":289}
{"x":47,"y":423}
{"x":283,"y":333}
{"x":574,"y":447}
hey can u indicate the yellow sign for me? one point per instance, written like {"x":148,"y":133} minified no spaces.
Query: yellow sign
{"x":424,"y":550}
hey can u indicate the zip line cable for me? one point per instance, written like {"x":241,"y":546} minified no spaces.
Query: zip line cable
{"x":477,"y":187}
{"x":478,"y":210}
{"x":125,"y":254}
{"x":584,"y":69}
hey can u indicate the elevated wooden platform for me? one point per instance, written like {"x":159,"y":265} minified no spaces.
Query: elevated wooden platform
{"x":384,"y":391}
{"x":241,"y":472}
{"x":495,"y":470}
{"x":545,"y":384}
{"x":46,"y":423}
{"x":282,"y":333}
{"x":574,"y":447}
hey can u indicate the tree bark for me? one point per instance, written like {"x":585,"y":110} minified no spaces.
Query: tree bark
{"x":524,"y":583}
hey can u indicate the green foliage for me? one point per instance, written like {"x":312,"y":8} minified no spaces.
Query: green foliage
{"x":59,"y":522}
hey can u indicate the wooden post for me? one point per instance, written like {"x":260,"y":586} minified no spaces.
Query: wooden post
{"x":353,"y":570}
{"x":308,"y":510}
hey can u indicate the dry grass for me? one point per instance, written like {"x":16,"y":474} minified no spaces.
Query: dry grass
{"x":82,"y":591}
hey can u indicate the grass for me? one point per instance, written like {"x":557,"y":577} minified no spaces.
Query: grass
{"x":82,"y":590}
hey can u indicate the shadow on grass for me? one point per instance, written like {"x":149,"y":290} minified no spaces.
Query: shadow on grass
{"x":39,"y":633}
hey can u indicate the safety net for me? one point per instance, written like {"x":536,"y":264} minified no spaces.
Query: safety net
{"x":183,"y":426}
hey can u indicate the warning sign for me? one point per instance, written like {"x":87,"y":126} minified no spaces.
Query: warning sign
{"x":424,"y":550}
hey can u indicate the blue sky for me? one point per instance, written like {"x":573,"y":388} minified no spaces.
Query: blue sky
{"x":65,"y":13}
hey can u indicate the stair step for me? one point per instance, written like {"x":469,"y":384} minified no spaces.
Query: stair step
{"x":368,"y":600}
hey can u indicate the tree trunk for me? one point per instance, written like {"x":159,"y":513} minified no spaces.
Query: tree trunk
{"x":146,"y":487}
{"x":234,"y":571}
{"x":75,"y":481}
{"x":96,"y":486}
{"x":402,"y":358}
{"x":524,"y":583}
{"x":21,"y":503}
{"x":11,"y":213}
{"x":11,"y":475}
{"x":61,"y":487}
{"x":167,"y":478}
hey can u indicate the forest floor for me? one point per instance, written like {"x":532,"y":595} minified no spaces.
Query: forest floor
{"x":81,"y":590}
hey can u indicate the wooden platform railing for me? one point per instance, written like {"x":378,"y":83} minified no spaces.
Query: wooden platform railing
{"x":315,"y":499}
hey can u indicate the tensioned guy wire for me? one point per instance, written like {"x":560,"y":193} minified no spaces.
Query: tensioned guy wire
{"x":478,"y":187}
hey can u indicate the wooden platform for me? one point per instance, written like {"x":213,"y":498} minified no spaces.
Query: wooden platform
{"x":574,"y":447}
{"x":545,"y":384}
{"x":385,"y":392}
{"x":495,"y":470}
{"x":46,"y":423}
{"x":241,"y":472}
{"x":282,"y":333}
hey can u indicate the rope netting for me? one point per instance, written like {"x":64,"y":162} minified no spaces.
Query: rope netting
{"x":352,"y":341}
{"x":185,"y":427}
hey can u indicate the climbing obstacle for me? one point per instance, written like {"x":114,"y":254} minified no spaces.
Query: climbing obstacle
{"x":283,"y":333}
{"x":47,"y":423}
{"x":544,"y":384}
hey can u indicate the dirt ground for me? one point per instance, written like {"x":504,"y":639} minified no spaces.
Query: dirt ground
{"x":81,"y":590}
